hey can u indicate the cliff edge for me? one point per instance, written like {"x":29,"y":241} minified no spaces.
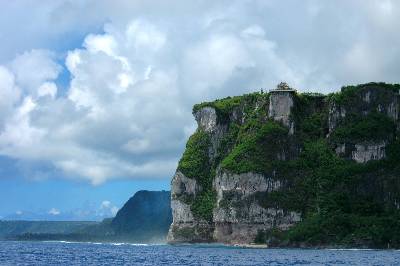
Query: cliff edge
{"x":292,"y":169}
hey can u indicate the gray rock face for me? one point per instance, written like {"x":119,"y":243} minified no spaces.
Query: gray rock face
{"x":206,"y":119}
{"x":181,"y":212}
{"x":184,"y":227}
{"x":245,"y":184}
{"x":280,"y":107}
{"x":245,"y":232}
{"x":238,"y":216}
{"x":362,"y":152}
{"x":180,"y":184}
{"x":393,"y":109}
{"x":365,"y":152}
{"x":182,"y":188}
{"x":196,"y":232}
{"x":336,"y":115}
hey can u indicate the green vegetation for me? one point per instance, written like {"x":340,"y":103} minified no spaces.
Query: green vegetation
{"x":372,"y":127}
{"x":227,"y":142}
{"x":257,"y":146}
{"x":310,"y":116}
{"x":195,"y":163}
{"x":224,"y":107}
{"x":351,"y":94}
{"x":12,"y":228}
{"x":338,"y":201}
{"x":341,"y":202}
{"x":204,"y":204}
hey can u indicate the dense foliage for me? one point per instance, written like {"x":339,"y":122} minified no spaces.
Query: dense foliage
{"x":341,"y":202}
{"x":372,"y":127}
{"x":195,"y":163}
{"x":255,"y":148}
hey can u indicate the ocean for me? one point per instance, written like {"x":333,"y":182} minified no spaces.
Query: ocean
{"x":67,"y":253}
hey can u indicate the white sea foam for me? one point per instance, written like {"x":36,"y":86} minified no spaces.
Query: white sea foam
{"x":60,"y":241}
{"x":351,"y":249}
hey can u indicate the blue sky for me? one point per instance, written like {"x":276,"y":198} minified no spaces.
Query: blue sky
{"x":96,"y":96}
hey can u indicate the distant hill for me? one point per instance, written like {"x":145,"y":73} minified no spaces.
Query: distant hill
{"x":145,"y":217}
{"x":15,"y":228}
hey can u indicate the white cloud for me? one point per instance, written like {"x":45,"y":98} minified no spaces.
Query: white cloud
{"x":54,"y":211}
{"x":254,"y":30}
{"x":144,"y":37}
{"x":9,"y":94}
{"x":126,"y":110}
{"x":18,"y":133}
{"x":101,"y":43}
{"x":47,"y":89}
{"x":105,"y":204}
{"x":107,"y":209}
{"x":33,"y":68}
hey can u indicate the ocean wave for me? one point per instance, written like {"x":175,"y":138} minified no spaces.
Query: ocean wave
{"x":351,"y":249}
{"x":60,"y":241}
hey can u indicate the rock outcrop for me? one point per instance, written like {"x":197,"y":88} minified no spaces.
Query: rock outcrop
{"x":280,"y":106}
{"x":368,"y":151}
{"x":368,"y":101}
{"x":237,"y":216}
{"x":237,"y":178}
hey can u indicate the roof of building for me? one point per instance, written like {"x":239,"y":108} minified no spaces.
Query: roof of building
{"x":283,"y":87}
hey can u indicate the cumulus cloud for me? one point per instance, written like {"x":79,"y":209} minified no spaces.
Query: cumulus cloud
{"x":33,"y":68}
{"x":137,"y":70}
{"x":9,"y":94}
{"x":54,"y":211}
{"x":107,"y":209}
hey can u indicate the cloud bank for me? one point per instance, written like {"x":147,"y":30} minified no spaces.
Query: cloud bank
{"x":139,"y":66}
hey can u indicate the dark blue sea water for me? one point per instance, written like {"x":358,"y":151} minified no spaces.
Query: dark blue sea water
{"x":61,"y":253}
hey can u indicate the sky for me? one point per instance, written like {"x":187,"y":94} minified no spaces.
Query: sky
{"x":96,"y":95}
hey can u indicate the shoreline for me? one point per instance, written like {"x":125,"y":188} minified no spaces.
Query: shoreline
{"x":204,"y":245}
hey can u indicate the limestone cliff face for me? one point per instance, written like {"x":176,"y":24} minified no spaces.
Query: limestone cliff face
{"x":237,"y":216}
{"x":280,"y":107}
{"x":369,"y":100}
{"x":231,"y":182}
{"x":185,"y":226}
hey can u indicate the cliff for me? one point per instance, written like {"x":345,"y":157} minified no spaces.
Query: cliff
{"x":286,"y":168}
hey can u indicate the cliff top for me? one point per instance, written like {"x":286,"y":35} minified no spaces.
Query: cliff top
{"x":283,"y":86}
{"x":226,"y":105}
